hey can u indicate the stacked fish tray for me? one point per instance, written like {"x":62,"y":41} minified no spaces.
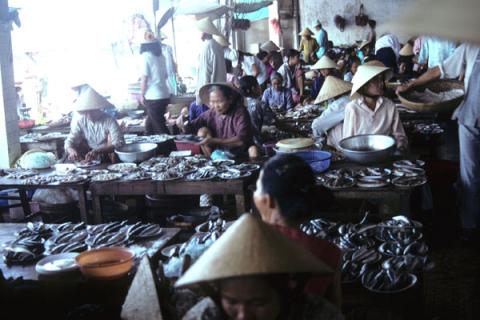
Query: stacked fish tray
{"x":385,"y":257}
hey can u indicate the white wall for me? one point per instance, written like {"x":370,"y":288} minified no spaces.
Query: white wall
{"x":325,"y":10}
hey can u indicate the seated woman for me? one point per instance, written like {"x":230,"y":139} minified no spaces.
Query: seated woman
{"x":254,"y":272}
{"x":387,"y":49}
{"x":285,"y":197}
{"x":93,"y":134}
{"x":371,"y":112}
{"x":256,"y":108}
{"x":354,"y":63}
{"x":330,"y":123}
{"x":326,"y":67}
{"x":226,"y":125}
{"x":276,"y":96}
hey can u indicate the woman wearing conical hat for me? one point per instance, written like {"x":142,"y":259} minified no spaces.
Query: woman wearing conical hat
{"x":323,"y":68}
{"x":329,"y":125}
{"x":254,"y":272}
{"x":308,"y":46}
{"x":406,"y":63}
{"x":370,"y":112}
{"x":93,"y":134}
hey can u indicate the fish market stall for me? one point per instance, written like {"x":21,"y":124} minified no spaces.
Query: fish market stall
{"x":49,"y":142}
{"x":193,"y":175}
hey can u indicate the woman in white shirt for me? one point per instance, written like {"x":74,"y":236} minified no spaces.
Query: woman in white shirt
{"x":370,"y":112}
{"x":155,"y":94}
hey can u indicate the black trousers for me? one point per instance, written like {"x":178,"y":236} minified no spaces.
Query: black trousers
{"x":155,"y":123}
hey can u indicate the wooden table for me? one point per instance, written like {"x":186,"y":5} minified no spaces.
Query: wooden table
{"x":237,"y":187}
{"x":81,"y":187}
{"x":392,"y":200}
{"x":7,"y":234}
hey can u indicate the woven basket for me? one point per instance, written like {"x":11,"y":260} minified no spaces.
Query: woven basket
{"x":435,"y":86}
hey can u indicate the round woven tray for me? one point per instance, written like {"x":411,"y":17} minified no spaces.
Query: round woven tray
{"x":435,"y":86}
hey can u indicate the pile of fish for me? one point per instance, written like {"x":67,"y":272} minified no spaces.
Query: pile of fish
{"x":429,"y":96}
{"x":38,"y":239}
{"x":198,"y":243}
{"x":383,"y":255}
{"x":405,"y":174}
{"x":305,"y":112}
{"x":423,"y":127}
{"x":157,"y":138}
{"x":159,"y":168}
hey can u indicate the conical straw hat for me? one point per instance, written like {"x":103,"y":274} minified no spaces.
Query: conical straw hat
{"x":203,"y":93}
{"x":251,"y":247}
{"x":455,"y":20}
{"x":367,"y":73}
{"x":306,"y":32}
{"x":90,"y":99}
{"x":221,"y":41}
{"x":324,"y":63}
{"x":407,"y":50}
{"x":332,"y":87}
{"x":295,"y":143}
{"x":363,"y":44}
{"x":374,"y":63}
{"x":206,"y":26}
{"x":269,"y":46}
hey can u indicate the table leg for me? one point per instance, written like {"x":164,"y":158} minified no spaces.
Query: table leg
{"x":24,"y":201}
{"x":82,"y":204}
{"x":97,"y":209}
{"x":240,"y":204}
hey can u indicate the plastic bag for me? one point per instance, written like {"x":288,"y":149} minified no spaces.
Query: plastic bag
{"x":55,"y":196}
{"x":36,"y":159}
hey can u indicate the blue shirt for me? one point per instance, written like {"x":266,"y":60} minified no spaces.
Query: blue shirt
{"x":435,"y":50}
{"x":278,"y":99}
{"x":322,"y":40}
{"x":195,"y":110}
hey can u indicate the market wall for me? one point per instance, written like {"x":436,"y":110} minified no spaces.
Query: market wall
{"x":325,"y":10}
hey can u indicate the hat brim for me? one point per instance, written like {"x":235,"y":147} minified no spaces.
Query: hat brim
{"x":365,"y":79}
{"x":204,"y":91}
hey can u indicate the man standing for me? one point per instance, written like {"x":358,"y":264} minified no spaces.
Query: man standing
{"x":322,"y":39}
{"x":435,"y":50}
{"x":211,"y":62}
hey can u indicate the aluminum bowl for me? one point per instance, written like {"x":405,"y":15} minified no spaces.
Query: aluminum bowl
{"x":136,"y":152}
{"x":368,"y":148}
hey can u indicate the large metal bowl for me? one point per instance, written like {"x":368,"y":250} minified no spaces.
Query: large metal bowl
{"x":368,"y":148}
{"x":136,"y":152}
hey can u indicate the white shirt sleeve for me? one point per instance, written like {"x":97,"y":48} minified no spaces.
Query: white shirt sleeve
{"x":145,"y":67}
{"x":350,"y":120}
{"x":454,"y":65}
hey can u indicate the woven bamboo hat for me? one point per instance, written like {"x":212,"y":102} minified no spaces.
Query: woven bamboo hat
{"x":367,"y":73}
{"x":455,"y":20}
{"x":251,"y":247}
{"x":204,"y":94}
{"x":221,"y":40}
{"x":332,"y":88}
{"x":269,"y":46}
{"x":306,"y":32}
{"x":295,"y":143}
{"x":90,"y":99}
{"x":324,"y":63}
{"x":205,"y":25}
{"x":374,"y":63}
{"x":363,"y":44}
{"x":407,"y":50}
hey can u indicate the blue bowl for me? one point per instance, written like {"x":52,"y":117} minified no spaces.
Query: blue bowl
{"x":318,"y":160}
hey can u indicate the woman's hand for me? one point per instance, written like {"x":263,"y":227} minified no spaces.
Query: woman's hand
{"x":72,"y":154}
{"x":92,"y":155}
{"x":405,"y":87}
